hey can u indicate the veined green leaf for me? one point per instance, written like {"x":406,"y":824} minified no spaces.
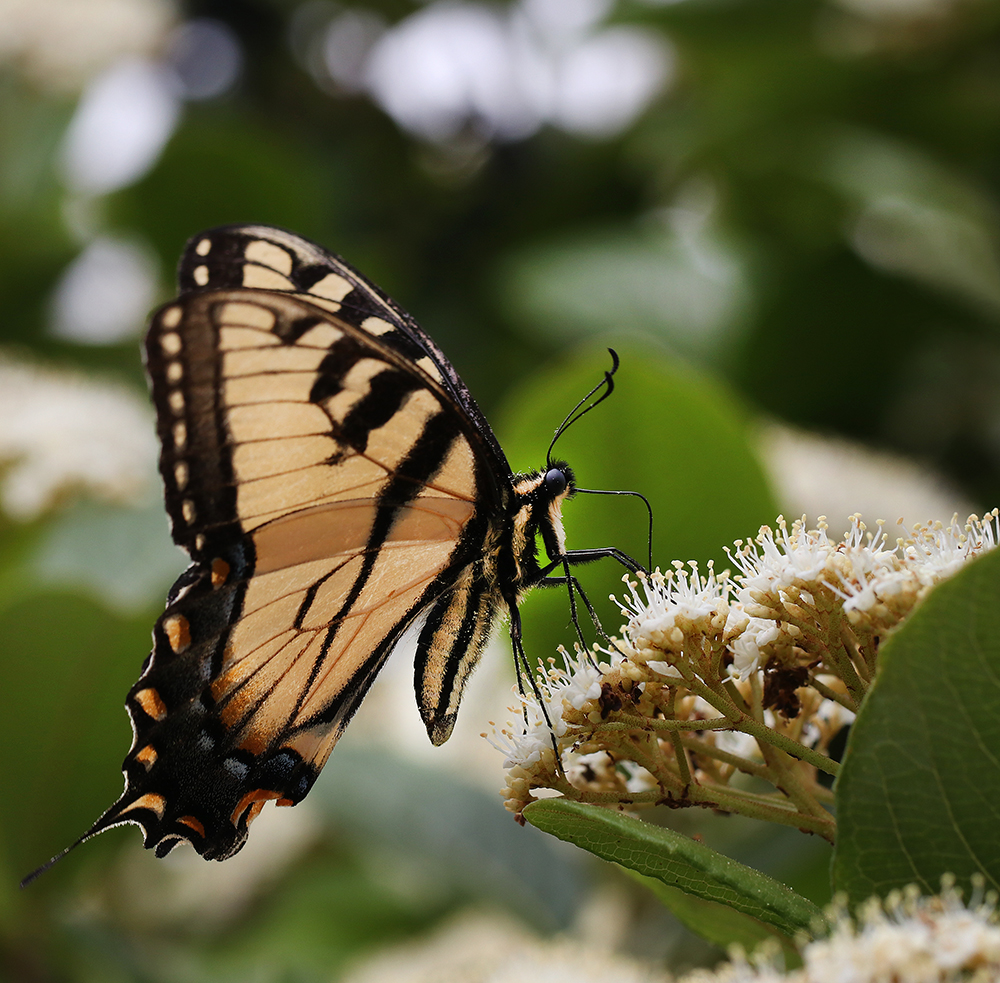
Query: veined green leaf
{"x":678,"y":862}
{"x":919,"y":791}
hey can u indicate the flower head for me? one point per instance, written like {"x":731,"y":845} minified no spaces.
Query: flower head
{"x":904,"y":937}
{"x":60,"y":432}
{"x":675,"y":611}
{"x":712,"y":669}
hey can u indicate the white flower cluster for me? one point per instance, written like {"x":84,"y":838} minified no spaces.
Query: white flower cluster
{"x":710,"y":666}
{"x":873,"y":581}
{"x":60,"y":432}
{"x":906,"y":938}
{"x":676,"y":607}
{"x":530,"y":740}
{"x":781,"y":575}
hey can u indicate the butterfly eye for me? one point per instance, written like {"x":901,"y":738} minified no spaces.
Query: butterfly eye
{"x":555,"y":482}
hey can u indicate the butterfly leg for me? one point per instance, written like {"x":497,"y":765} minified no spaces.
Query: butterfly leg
{"x":523,"y":670}
{"x":588,"y":556}
{"x":573,"y":585}
{"x":571,"y":557}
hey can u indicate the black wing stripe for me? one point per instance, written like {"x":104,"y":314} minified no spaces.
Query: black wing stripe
{"x":430,"y":451}
{"x":358,"y":425}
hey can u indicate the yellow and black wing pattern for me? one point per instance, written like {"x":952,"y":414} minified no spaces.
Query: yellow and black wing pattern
{"x":335,"y":485}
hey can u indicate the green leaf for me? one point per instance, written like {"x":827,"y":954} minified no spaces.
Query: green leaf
{"x":919,"y":791}
{"x":679,"y":862}
{"x":718,"y":923}
{"x":667,"y":431}
{"x":686,"y":285}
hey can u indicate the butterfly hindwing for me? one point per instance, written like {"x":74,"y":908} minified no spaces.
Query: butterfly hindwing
{"x":453,"y":635}
{"x":329,"y":493}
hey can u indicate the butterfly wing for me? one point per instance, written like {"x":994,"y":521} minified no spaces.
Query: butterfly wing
{"x":330,"y":493}
{"x":262,"y":257}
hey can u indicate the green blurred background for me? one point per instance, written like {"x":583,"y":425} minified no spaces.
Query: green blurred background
{"x":782,"y":213}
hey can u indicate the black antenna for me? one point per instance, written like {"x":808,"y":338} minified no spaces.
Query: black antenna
{"x":573,"y":415}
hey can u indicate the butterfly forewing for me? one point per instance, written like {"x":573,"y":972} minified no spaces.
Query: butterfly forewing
{"x":265,"y":258}
{"x":329,"y":492}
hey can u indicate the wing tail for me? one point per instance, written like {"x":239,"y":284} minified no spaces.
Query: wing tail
{"x":109,"y":818}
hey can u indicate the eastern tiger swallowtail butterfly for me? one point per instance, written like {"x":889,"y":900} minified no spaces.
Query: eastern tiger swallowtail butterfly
{"x":335,"y":484}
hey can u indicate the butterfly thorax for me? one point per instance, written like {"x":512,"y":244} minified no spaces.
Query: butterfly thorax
{"x":535,"y":509}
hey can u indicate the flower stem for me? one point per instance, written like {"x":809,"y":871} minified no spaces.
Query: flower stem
{"x":786,"y":744}
{"x":841,"y":660}
{"x":744,"y":765}
{"x":842,"y":698}
{"x":622,"y":721}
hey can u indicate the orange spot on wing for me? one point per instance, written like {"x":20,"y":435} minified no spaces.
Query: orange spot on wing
{"x":152,"y":801}
{"x":252,"y":803}
{"x":151,"y":703}
{"x":284,"y":802}
{"x":178,"y":630}
{"x":220,"y":571}
{"x":147,"y":756}
{"x":193,"y":823}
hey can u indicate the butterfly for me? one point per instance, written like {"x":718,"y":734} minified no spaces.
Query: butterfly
{"x":335,"y":484}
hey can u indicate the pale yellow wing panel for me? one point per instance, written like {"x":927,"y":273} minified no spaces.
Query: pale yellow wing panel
{"x":321,"y":604}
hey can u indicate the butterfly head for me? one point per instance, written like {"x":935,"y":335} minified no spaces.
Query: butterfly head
{"x":558,"y":482}
{"x":553,"y":486}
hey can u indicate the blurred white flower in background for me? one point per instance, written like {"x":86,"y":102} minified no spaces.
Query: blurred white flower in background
{"x":127,"y":113}
{"x":64,"y":436}
{"x":61,"y":44}
{"x":104,"y":295}
{"x":120,"y":127}
{"x":205,"y":57}
{"x":492,"y":948}
{"x":61,"y":432}
{"x":906,"y":937}
{"x":504,"y":72}
{"x":346,"y":42}
{"x":818,"y":475}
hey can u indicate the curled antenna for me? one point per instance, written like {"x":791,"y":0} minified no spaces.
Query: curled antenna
{"x":649,"y":510}
{"x":575,"y":413}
